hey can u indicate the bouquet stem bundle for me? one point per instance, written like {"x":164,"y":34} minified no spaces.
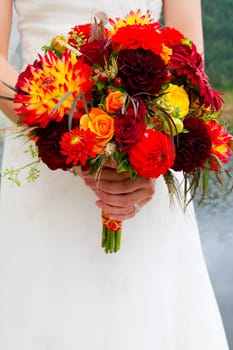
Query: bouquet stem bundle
{"x":111,"y":234}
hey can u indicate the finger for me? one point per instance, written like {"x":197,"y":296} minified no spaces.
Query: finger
{"x":126,"y":186}
{"x":120,"y":213}
{"x":125,"y":200}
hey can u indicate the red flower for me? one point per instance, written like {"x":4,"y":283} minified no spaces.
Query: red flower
{"x":171,"y":36}
{"x":79,"y":35}
{"x":78,"y":145}
{"x":153,"y":155}
{"x":130,"y":126}
{"x":25,"y":76}
{"x":96,"y":52}
{"x":136,"y":36}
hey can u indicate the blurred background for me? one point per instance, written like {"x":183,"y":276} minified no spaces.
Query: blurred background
{"x":215,"y":218}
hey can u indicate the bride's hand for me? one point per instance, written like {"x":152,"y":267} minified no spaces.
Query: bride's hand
{"x":119,"y":196}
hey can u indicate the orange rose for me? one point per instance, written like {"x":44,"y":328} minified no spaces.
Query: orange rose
{"x":114,"y":101}
{"x":101,"y":124}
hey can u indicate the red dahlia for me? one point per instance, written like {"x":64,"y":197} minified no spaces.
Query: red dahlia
{"x":171,"y":36}
{"x":153,"y":155}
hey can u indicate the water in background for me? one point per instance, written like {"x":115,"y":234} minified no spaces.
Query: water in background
{"x":215,"y":221}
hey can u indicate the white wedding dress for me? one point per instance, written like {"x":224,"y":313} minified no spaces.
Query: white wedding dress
{"x":58,"y":289}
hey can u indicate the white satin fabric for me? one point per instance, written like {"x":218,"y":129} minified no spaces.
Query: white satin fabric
{"x":58,"y":289}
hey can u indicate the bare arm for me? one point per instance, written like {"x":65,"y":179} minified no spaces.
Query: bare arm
{"x":7,"y":73}
{"x":186,"y":16}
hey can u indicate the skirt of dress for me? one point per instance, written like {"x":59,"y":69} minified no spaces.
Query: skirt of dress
{"x":60,"y":291}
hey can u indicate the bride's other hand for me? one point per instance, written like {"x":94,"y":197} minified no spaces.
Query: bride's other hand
{"x":119,"y":196}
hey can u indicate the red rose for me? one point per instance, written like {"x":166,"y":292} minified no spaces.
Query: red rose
{"x":153,"y":155}
{"x":130,"y":126}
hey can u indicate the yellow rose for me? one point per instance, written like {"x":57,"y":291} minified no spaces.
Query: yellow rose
{"x":101,"y":124}
{"x":175,"y":101}
{"x":114,"y":101}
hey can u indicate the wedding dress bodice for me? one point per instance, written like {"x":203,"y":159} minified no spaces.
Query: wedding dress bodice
{"x":40,"y":20}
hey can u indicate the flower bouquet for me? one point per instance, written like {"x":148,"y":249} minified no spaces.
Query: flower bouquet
{"x":128,"y":90}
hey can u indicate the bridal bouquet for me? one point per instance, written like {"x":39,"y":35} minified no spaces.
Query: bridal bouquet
{"x":128,"y":90}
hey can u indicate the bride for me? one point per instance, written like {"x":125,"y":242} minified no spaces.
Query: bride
{"x":58,"y":290}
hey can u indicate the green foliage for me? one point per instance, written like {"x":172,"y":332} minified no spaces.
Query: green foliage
{"x":12,"y":173}
{"x":218,"y":36}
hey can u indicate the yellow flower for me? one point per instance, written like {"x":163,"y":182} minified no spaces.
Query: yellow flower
{"x":133,"y":18}
{"x":175,"y":101}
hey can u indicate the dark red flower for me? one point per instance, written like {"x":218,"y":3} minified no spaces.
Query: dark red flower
{"x":185,"y":60}
{"x":141,"y":71}
{"x":153,"y":155}
{"x":130,"y":126}
{"x":48,"y":144}
{"x":193,"y":147}
{"x":96,"y":52}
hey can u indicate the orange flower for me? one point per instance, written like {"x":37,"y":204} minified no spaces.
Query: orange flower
{"x":101,"y":124}
{"x":220,"y":143}
{"x":166,"y":53}
{"x":46,"y":84}
{"x":114,"y":101}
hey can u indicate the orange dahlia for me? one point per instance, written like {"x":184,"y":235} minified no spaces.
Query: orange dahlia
{"x":78,"y":145}
{"x":50,"y":81}
{"x":220,"y":143}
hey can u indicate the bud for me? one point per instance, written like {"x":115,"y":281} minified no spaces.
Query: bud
{"x":58,"y":44}
{"x":174,"y":127}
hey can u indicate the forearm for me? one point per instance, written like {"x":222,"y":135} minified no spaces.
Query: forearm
{"x":186,"y":16}
{"x":8,"y":75}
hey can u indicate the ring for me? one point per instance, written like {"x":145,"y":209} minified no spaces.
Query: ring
{"x":137,"y":208}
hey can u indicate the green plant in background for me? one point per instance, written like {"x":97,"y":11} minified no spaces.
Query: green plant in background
{"x":218,"y":29}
